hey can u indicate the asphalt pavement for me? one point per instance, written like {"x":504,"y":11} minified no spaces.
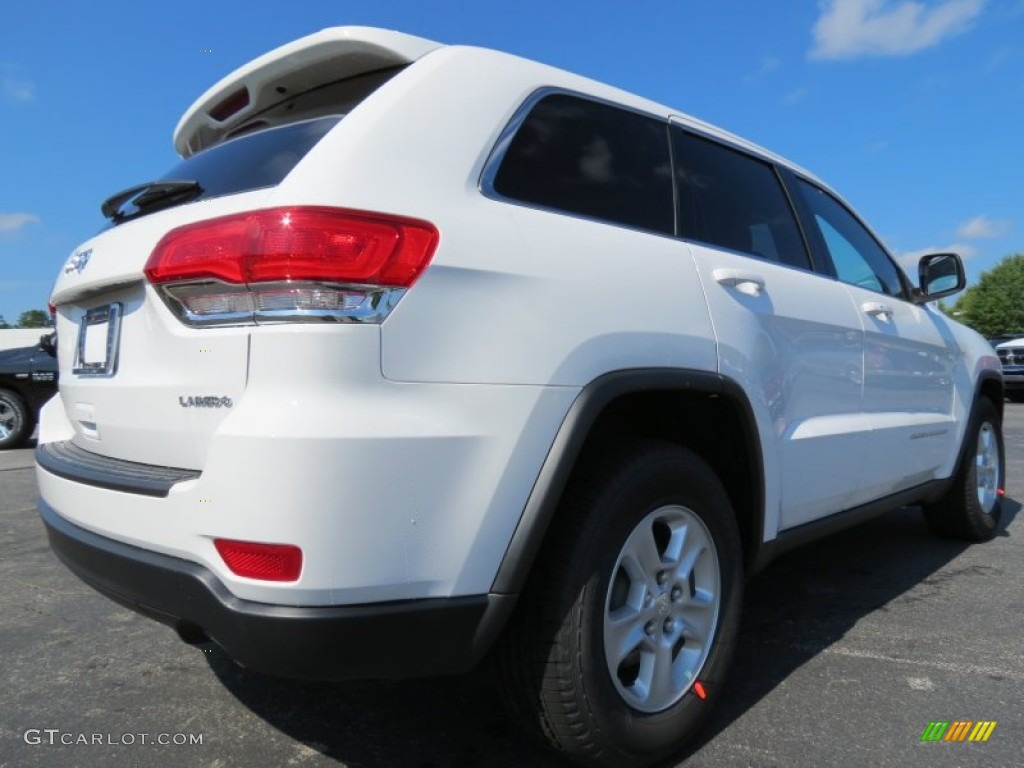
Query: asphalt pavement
{"x":850,"y":648}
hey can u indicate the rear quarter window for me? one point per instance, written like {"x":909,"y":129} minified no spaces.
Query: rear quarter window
{"x":592,"y":159}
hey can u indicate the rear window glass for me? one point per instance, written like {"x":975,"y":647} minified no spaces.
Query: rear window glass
{"x":252,"y":161}
{"x":591,"y":159}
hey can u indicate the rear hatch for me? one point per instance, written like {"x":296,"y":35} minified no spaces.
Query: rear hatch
{"x":137,"y":381}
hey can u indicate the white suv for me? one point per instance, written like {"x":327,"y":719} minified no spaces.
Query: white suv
{"x":1011,"y":356}
{"x":425,"y":353}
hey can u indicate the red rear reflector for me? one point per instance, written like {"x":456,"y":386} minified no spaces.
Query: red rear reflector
{"x":53,"y":310}
{"x":236,"y":102}
{"x":287,"y":244}
{"x":268,"y":562}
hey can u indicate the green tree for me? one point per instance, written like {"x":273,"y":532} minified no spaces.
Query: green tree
{"x":34,"y":318}
{"x":995,"y":304}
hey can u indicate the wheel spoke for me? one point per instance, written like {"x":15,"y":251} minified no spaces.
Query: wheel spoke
{"x":662,"y":685}
{"x":643,"y":551}
{"x":677,"y":546}
{"x":696,"y":622}
{"x":623,"y":632}
{"x":689,"y":560}
{"x":688,"y":663}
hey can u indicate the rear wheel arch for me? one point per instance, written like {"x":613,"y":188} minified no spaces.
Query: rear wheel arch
{"x":702,"y":411}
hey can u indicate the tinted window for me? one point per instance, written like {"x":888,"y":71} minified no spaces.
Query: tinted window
{"x":733,"y":200}
{"x":591,"y":159}
{"x":253,"y":161}
{"x":856,"y":255}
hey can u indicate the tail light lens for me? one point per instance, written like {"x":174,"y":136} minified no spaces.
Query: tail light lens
{"x":287,"y":264}
{"x":267,"y":562}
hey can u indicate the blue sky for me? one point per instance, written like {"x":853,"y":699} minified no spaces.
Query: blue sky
{"x":913,"y":110}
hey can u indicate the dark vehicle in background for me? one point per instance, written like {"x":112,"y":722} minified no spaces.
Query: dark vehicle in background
{"x":28,"y":378}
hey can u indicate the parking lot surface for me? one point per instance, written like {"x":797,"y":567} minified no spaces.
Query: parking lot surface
{"x":850,"y":648}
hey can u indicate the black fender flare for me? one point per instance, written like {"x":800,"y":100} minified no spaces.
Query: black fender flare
{"x":572,"y":435}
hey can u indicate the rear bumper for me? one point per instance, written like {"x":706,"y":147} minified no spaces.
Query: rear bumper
{"x":392,"y":640}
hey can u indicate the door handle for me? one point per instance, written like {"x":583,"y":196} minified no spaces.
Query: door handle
{"x":881,"y":311}
{"x":749,"y":283}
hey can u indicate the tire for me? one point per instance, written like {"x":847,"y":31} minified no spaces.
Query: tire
{"x":15,"y":420}
{"x":972,"y":506}
{"x":649,"y":512}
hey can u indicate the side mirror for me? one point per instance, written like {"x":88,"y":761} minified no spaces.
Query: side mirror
{"x":940,"y":275}
{"x":48,"y":343}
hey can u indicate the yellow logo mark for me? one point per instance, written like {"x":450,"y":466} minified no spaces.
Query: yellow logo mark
{"x":982,"y":730}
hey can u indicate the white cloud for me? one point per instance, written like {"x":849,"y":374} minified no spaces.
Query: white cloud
{"x":795,"y":96}
{"x":850,"y":28}
{"x":15,"y":89}
{"x":12,"y":222}
{"x":982,"y":227}
{"x":908,"y":259}
{"x":769,"y":66}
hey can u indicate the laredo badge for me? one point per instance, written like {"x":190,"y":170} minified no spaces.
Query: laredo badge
{"x":205,"y":401}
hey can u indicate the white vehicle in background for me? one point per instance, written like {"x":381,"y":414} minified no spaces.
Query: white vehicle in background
{"x":1011,"y":357}
{"x":423,"y":353}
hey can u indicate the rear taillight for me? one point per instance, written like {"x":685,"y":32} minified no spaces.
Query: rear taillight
{"x":268,"y":562}
{"x":287,"y":264}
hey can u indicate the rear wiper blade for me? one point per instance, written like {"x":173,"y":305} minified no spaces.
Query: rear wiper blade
{"x":143,"y":195}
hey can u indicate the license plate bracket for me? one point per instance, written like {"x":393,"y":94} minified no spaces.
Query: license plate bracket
{"x":99,"y":338}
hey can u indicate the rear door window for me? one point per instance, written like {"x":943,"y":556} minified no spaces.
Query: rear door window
{"x":592,"y":159}
{"x":733,"y":200}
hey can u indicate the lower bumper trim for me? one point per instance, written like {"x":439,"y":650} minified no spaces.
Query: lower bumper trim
{"x":392,"y":640}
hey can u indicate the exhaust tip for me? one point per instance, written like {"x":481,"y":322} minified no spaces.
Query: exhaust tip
{"x":190,"y":633}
